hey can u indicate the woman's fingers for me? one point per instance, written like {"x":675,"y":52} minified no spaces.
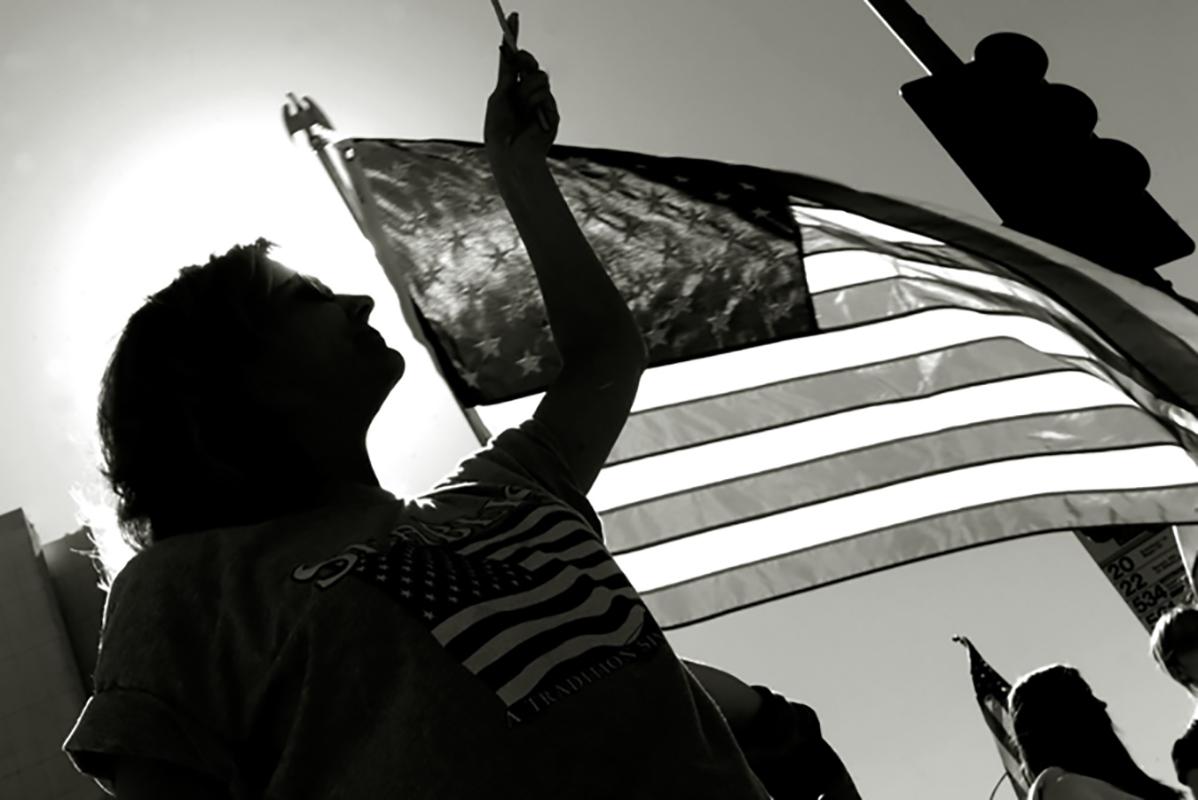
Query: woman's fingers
{"x":539,"y":98}
{"x":526,"y":62}
{"x":552,"y":117}
{"x":536,"y":82}
{"x":533,"y":89}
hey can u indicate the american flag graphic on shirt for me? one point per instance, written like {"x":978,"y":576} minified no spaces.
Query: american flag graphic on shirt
{"x":523,"y":594}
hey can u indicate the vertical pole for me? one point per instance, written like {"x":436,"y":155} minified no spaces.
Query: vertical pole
{"x":306,"y":118}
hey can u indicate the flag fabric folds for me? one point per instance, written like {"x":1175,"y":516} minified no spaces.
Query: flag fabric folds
{"x":992,"y":690}
{"x":839,"y":382}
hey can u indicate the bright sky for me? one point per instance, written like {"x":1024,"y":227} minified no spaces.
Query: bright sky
{"x":138,"y":137}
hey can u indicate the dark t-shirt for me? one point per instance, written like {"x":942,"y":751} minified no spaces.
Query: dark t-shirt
{"x":1185,"y":750}
{"x":477,"y":641}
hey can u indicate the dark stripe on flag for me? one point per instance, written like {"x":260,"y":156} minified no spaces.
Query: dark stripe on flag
{"x":680,"y":514}
{"x":1157,"y":349}
{"x":893,"y":297}
{"x":663,"y":429}
{"x":775,"y":578}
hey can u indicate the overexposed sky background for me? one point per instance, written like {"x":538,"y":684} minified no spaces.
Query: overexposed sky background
{"x":138,"y":137}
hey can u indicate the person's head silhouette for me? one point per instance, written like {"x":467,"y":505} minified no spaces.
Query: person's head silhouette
{"x":1058,"y":722}
{"x":240,"y":392}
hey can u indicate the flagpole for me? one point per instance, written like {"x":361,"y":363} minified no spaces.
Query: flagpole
{"x":913,"y":31}
{"x":306,"y":116}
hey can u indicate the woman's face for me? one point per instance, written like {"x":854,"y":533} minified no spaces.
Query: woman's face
{"x":321,"y":360}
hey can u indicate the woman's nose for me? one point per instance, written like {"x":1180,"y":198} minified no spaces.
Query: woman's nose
{"x":360,"y":307}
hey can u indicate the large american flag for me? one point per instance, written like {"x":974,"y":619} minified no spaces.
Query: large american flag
{"x":839,"y":382}
{"x":992,"y":690}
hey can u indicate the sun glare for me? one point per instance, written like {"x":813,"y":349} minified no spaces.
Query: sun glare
{"x":173,"y":199}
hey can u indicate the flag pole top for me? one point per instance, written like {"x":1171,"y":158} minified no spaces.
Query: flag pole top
{"x":914,"y":33}
{"x":304,"y":116}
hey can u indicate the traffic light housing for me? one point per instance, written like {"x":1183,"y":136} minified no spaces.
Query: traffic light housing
{"x":1029,"y":147}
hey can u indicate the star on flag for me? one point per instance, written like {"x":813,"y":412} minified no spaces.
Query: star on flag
{"x":489,"y":346}
{"x":529,"y":362}
{"x":457,"y":238}
{"x":656,"y":337}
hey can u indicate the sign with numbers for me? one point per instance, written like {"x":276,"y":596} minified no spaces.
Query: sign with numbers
{"x":1146,"y":570}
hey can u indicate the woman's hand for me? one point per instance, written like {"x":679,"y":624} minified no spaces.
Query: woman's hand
{"x":513,"y":133}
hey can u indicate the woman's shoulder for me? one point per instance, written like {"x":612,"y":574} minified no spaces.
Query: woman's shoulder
{"x":1185,"y":749}
{"x":1055,"y":783}
{"x":1047,"y":777}
{"x":1191,"y":731}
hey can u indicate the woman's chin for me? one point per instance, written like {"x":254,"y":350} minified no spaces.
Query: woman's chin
{"x":398,"y":359}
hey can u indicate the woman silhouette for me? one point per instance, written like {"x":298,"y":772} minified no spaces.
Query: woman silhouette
{"x":290,"y":629}
{"x":1069,"y":745}
{"x":1174,"y":646}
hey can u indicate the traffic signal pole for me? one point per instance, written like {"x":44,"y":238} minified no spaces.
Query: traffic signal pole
{"x":914,"y":33}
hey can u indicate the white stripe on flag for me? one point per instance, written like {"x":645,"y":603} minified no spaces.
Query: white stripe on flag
{"x":1160,"y":307}
{"x":694,"y":467}
{"x":812,"y":355}
{"x":776,"y":535}
{"x":814,"y":215}
{"x":829,"y":272}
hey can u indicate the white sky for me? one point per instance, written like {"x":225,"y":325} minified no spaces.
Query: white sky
{"x":138,"y":137}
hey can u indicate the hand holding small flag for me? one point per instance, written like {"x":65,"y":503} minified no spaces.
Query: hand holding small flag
{"x":522,"y":118}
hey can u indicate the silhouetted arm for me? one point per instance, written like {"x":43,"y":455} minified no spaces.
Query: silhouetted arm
{"x":736,"y":699}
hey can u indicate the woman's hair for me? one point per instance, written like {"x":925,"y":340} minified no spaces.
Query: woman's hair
{"x":183,"y":450}
{"x":1175,"y":633}
{"x":1058,"y":722}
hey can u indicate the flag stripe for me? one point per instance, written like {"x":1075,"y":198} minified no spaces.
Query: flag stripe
{"x":900,"y":285}
{"x":684,"y":599}
{"x":994,"y":714}
{"x":1156,"y":332}
{"x":830,"y":353}
{"x":538,"y":668}
{"x":538,"y":598}
{"x":899,"y":299}
{"x":907,"y":296}
{"x":822,"y":436}
{"x":666,"y":428}
{"x":874,"y":302}
{"x":660,"y":431}
{"x":920,"y":498}
{"x":871,"y":468}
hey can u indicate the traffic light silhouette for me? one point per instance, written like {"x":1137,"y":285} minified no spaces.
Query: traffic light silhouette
{"x":1030,"y":148}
